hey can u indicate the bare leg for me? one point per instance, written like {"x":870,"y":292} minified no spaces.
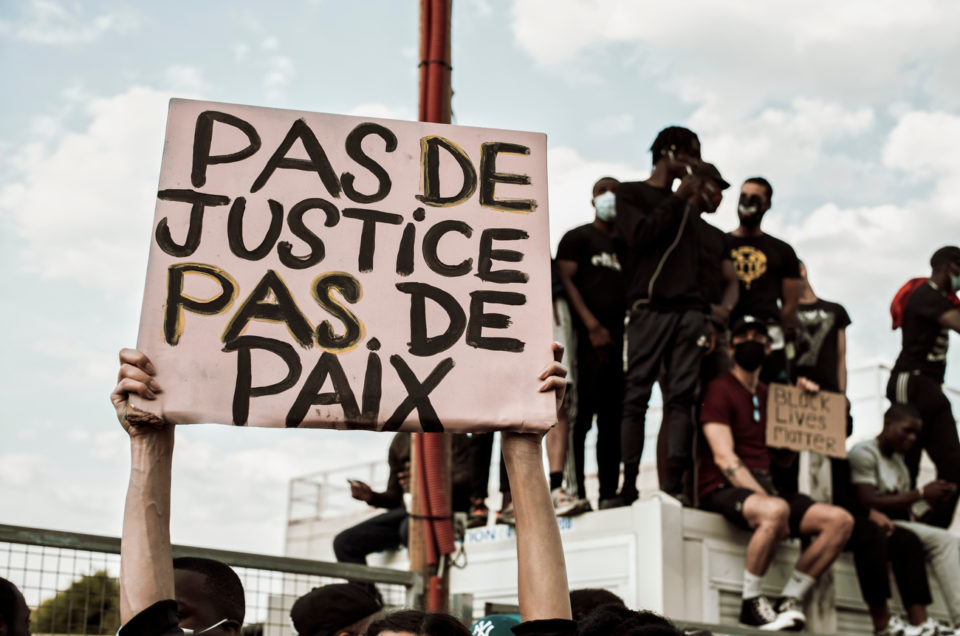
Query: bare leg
{"x":833,"y":526}
{"x":880,"y":615}
{"x":917,"y":614}
{"x":768,"y":517}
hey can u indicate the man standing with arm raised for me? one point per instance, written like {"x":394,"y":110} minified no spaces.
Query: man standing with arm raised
{"x":917,"y":376}
{"x":656,"y":232}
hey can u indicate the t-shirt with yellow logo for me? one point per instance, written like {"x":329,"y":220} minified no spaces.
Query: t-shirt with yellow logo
{"x":762,"y":263}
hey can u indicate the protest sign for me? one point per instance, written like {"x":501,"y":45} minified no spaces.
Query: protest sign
{"x":807,"y":421}
{"x":331,"y":271}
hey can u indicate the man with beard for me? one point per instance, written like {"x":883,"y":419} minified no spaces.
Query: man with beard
{"x":769,"y":274}
{"x":657,"y":232}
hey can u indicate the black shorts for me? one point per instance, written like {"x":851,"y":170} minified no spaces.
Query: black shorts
{"x":728,"y":501}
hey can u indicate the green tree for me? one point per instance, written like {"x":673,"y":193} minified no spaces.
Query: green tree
{"x":90,"y":605}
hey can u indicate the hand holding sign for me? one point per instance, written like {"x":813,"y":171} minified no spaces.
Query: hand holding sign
{"x":798,"y":419}
{"x":277,"y":296}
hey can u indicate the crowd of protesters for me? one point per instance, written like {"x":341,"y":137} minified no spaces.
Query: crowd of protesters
{"x":649,"y":292}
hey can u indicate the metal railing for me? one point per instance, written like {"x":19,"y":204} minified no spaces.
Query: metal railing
{"x":70,"y":581}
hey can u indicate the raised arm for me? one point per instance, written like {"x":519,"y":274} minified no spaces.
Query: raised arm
{"x":541,"y":570}
{"x":951,"y":319}
{"x":146,"y":560}
{"x":638,"y":227}
{"x":720,"y":439}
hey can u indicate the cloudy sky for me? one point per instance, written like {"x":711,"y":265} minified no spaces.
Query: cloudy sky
{"x":851,"y":109}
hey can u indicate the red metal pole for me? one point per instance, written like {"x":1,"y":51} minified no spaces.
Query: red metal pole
{"x":431,"y":528}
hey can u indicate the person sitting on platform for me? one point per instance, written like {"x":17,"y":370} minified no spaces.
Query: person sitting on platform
{"x":735,"y":481}
{"x":880,"y":474}
{"x":388,"y":531}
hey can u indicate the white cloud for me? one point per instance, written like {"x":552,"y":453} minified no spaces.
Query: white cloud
{"x":860,"y":255}
{"x":611,"y":125}
{"x":184,"y":79}
{"x":570,"y":183}
{"x":270,"y":43}
{"x":82,"y":205}
{"x":277,"y":68}
{"x":279,"y":72}
{"x":787,"y":144}
{"x":21,"y":469}
{"x":51,"y":22}
{"x":240,"y":52}
{"x":924,"y":144}
{"x":854,"y":50}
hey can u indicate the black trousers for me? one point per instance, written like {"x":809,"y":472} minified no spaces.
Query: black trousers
{"x":673,"y":340}
{"x":481,"y":449}
{"x":938,"y":436}
{"x":873,"y":550}
{"x":388,"y":531}
{"x":599,"y":392}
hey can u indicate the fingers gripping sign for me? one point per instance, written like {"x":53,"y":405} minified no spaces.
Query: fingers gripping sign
{"x":135,"y":377}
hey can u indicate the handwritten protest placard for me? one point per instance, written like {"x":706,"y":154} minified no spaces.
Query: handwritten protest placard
{"x":807,"y":421}
{"x":331,"y":271}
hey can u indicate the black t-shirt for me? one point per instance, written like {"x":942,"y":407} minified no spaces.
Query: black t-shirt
{"x":925,"y":340}
{"x":817,"y":354}
{"x":160,"y":619}
{"x":657,"y":240}
{"x":762,"y":262}
{"x":713,"y":251}
{"x":599,"y":277}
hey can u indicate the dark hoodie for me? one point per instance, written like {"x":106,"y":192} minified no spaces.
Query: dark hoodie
{"x":658,"y":245}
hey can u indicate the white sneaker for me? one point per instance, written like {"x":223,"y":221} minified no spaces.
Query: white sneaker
{"x":563,"y":502}
{"x":933,"y":627}
{"x":928,"y":628}
{"x":758,"y":612}
{"x":789,"y":608}
{"x":896,"y":626}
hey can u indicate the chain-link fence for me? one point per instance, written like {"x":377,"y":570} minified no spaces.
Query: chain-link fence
{"x":70,"y":583}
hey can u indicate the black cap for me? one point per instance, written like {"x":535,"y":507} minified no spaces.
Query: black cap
{"x":324,"y":610}
{"x":747,"y":323}
{"x":709,"y":171}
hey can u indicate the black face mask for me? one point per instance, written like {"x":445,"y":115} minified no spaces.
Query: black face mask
{"x":749,"y":355}
{"x":749,"y":210}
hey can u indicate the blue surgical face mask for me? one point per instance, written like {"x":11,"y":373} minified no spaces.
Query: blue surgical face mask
{"x":606,"y":206}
